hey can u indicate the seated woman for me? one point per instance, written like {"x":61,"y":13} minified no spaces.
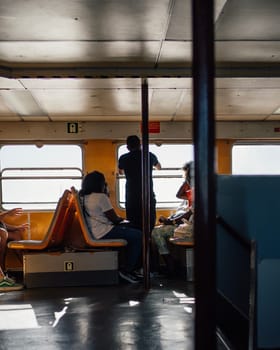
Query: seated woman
{"x":163,"y":232}
{"x":9,"y":233}
{"x":104,"y":223}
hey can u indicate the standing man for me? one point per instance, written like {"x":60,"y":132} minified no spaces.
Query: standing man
{"x":130,"y":164}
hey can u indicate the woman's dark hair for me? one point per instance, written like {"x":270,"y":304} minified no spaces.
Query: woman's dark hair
{"x":187,"y":168}
{"x":93,"y":182}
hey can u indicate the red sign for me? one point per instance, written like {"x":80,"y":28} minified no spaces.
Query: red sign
{"x":154,"y":127}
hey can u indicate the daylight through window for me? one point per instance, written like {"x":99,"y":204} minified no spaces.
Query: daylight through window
{"x":167,"y":180}
{"x":35,"y":177}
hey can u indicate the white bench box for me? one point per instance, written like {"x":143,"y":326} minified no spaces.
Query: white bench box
{"x":70,"y":269}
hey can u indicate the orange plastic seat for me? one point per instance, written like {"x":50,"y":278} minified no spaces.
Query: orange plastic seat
{"x":61,"y":221}
{"x":182,"y":242}
{"x":80,"y":236}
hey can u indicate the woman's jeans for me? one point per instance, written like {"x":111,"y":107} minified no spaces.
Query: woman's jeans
{"x":134,"y":243}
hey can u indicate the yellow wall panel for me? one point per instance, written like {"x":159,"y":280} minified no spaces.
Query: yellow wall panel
{"x":223,"y":155}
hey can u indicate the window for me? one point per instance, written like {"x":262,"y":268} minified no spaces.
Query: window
{"x":35,"y":177}
{"x":167,"y":180}
{"x":256,"y":159}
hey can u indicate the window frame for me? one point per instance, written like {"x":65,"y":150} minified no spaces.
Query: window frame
{"x":42,"y":205}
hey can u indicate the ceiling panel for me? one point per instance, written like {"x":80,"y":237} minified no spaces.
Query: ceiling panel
{"x":74,"y":83}
{"x":247,"y":101}
{"x":247,"y":83}
{"x":90,"y":20}
{"x":6,"y":83}
{"x":170,"y":83}
{"x":165,"y":101}
{"x":248,"y":52}
{"x":180,"y":27}
{"x":179,"y":52}
{"x":184,"y":109}
{"x":79,"y":53}
{"x":89,"y":101}
{"x":5,"y":111}
{"x":83,"y":60}
{"x":253,"y":20}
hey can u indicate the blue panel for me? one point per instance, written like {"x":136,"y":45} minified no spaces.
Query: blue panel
{"x":251,"y":206}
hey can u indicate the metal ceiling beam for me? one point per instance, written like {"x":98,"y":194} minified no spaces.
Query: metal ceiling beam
{"x":222,"y":71}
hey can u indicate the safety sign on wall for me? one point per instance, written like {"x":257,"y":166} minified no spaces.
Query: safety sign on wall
{"x":72,"y":128}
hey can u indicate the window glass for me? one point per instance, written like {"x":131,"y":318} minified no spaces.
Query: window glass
{"x":255,"y":159}
{"x":167,"y":180}
{"x":35,"y":177}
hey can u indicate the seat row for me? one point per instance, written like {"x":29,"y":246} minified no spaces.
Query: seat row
{"x":68,"y":230}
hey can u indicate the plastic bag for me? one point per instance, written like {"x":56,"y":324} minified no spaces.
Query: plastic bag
{"x":184,"y":230}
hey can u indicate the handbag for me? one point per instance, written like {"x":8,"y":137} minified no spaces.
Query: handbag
{"x":184,"y":230}
{"x":179,"y":216}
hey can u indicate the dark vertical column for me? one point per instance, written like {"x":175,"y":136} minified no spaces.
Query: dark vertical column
{"x":145,"y":182}
{"x":205,"y":191}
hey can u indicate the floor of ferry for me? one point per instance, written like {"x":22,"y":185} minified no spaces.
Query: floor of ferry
{"x":123,"y":316}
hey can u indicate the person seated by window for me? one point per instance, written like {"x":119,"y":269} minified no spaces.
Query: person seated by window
{"x":104,"y":222}
{"x":162,"y":233}
{"x":9,"y":233}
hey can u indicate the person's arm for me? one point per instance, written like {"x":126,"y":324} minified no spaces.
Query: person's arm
{"x":155,"y":162}
{"x":21,"y":227}
{"x":182,"y":192}
{"x":121,"y":166}
{"x":12,"y":212}
{"x":113,"y":217}
{"x":171,"y":221}
{"x":157,"y":166}
{"x":15,"y":232}
{"x":164,"y":220}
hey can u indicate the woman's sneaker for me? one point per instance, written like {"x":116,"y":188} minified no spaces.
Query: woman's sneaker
{"x":129,"y":277}
{"x":9,"y":285}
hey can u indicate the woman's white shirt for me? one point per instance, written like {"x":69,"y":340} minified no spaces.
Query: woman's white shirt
{"x":96,"y":204}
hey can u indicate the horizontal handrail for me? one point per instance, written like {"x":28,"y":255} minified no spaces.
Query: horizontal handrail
{"x":246,"y":242}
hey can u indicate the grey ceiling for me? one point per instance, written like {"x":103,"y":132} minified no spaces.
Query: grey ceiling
{"x":83,"y":60}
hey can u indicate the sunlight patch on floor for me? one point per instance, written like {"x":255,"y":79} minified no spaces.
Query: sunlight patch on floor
{"x":17,"y":317}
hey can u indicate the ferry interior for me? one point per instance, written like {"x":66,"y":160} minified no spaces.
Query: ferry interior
{"x":89,"y":65}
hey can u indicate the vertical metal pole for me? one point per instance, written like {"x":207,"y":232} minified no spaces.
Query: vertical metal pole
{"x":205,"y":191}
{"x":145,"y":183}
